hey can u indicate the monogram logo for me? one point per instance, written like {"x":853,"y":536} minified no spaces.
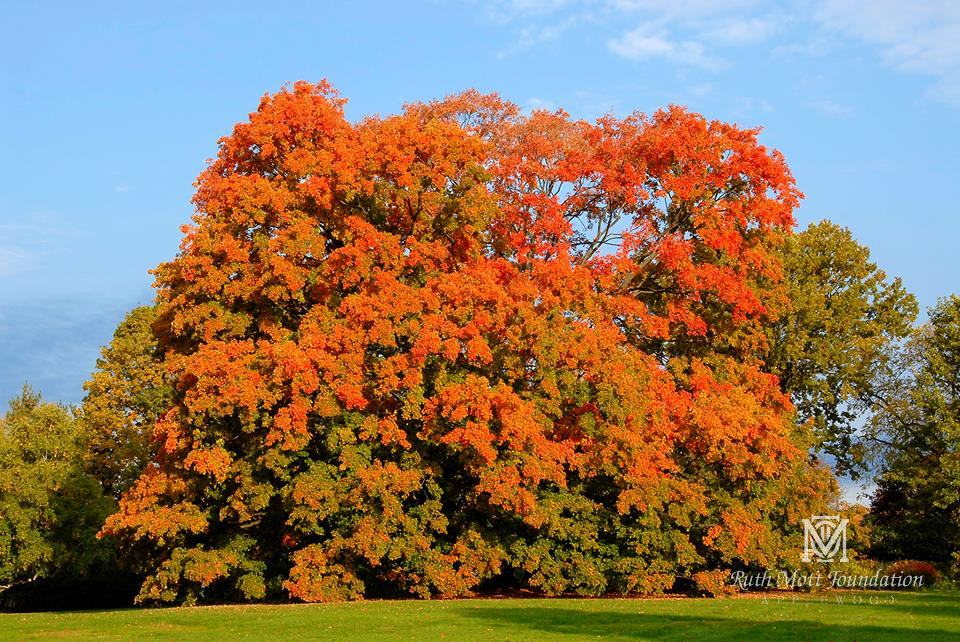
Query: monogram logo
{"x":823,"y":537}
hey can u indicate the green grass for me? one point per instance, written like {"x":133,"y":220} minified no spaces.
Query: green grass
{"x":912,"y":616}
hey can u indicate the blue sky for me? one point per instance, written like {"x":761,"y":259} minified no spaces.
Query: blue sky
{"x":109,"y":111}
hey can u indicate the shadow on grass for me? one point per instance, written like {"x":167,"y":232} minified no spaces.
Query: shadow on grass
{"x":941,"y":604}
{"x":526,"y":623}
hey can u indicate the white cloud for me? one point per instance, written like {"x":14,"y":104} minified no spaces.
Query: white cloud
{"x":747,"y":31}
{"x":536,"y":6}
{"x":815,"y":46}
{"x":29,"y":239}
{"x":539,"y":103}
{"x":703,"y":89}
{"x":644,"y":43}
{"x":705,"y":24}
{"x":507,"y":10}
{"x":747,"y":108}
{"x":532,"y":36}
{"x":591,"y":103}
{"x":684,"y":32}
{"x":684,"y":9}
{"x":14,"y":260}
{"x":830,"y":108}
{"x":917,"y":37}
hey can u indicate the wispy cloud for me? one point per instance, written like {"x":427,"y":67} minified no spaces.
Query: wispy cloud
{"x":745,"y":31}
{"x":830,"y":108}
{"x":690,"y":32}
{"x":747,"y":107}
{"x":584,"y":104}
{"x":14,"y":260}
{"x":507,"y":10}
{"x":27,"y":239}
{"x":53,"y":343}
{"x":533,"y":36}
{"x":920,"y":37}
{"x":814,"y":46}
{"x":684,"y":32}
{"x":595,"y":103}
{"x":682,"y":9}
{"x":645,"y":43}
{"x":701,"y":90}
{"x":539,"y":103}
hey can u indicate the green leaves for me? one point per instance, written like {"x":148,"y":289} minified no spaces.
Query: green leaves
{"x":125,"y":397}
{"x":917,"y":503}
{"x":832,"y":347}
{"x":460,"y":344}
{"x":50,"y":509}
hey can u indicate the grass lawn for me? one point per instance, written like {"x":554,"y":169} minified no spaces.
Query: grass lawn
{"x":912,"y":617}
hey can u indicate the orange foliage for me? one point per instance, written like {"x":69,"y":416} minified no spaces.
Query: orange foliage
{"x":460,"y":342}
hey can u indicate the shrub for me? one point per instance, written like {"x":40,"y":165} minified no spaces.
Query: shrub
{"x":713,"y":583}
{"x":927,"y":572}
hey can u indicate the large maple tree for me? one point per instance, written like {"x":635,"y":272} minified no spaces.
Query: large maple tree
{"x":465,"y":345}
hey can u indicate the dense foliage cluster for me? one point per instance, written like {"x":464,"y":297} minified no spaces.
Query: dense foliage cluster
{"x":50,"y":508}
{"x":464,"y":348}
{"x":125,"y":396}
{"x":835,"y":346}
{"x":463,"y":345}
{"x":916,"y":508}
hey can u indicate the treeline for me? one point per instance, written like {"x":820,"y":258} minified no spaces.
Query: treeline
{"x":464,"y":349}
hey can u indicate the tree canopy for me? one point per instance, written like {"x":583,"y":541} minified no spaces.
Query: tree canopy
{"x":917,"y":502}
{"x":463,"y":345}
{"x":125,"y":397}
{"x":49,"y":508}
{"x":833,"y":347}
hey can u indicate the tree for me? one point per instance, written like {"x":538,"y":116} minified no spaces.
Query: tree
{"x":916,"y":507}
{"x":462,"y":345}
{"x":49,"y":509}
{"x":832,"y":348}
{"x":125,"y":397}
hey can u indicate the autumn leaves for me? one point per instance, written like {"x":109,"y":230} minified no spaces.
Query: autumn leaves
{"x":461,"y":344}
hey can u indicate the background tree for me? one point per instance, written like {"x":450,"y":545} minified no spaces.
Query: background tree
{"x":125,"y":397}
{"x":463,"y":345}
{"x":50,"y":510}
{"x":916,"y":507}
{"x":833,"y":346}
